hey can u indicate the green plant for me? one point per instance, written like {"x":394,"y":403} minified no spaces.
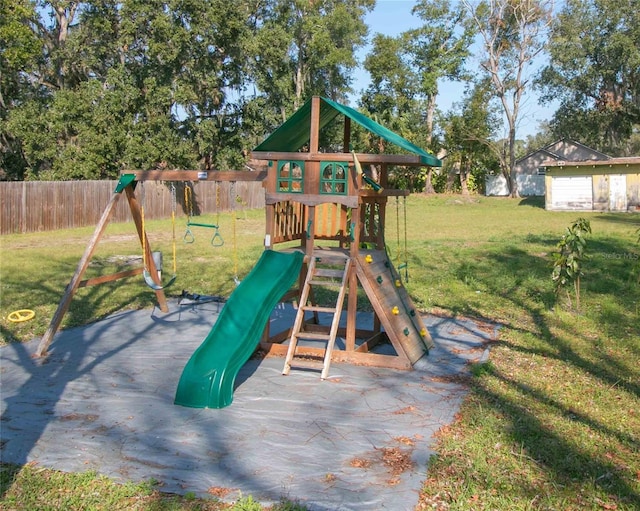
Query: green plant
{"x":247,"y":504}
{"x":567,"y":261}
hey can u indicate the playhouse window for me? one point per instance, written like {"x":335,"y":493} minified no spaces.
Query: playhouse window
{"x":290,"y":176}
{"x":333,"y":178}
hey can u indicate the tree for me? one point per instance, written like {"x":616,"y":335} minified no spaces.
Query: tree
{"x":468,"y":137}
{"x":392,"y":93}
{"x":19,"y":51}
{"x":308,"y":48}
{"x":594,"y":70}
{"x":134,"y":84}
{"x":543,"y":137}
{"x":512,"y":35}
{"x":569,"y":258}
{"x":392,"y":97}
{"x":439,"y":50}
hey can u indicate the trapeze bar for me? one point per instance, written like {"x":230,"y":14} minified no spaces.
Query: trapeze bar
{"x":194,"y":224}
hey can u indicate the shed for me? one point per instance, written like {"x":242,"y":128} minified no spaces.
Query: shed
{"x":595,"y":185}
{"x":530,"y":169}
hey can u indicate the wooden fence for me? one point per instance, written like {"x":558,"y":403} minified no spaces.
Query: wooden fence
{"x":30,"y":206}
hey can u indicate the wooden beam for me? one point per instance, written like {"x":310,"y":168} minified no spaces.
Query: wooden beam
{"x":311,"y":199}
{"x":73,"y":285}
{"x":314,"y":135}
{"x":392,"y":159}
{"x":346,"y":135}
{"x":383,"y":193}
{"x":339,"y":356}
{"x":136,"y":213}
{"x":110,"y":278}
{"x":196,"y":175}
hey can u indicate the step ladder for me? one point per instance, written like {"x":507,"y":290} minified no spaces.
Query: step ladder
{"x":318,"y":276}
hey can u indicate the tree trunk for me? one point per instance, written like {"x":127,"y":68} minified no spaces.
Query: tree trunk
{"x":451,"y":179}
{"x":431,"y":107}
{"x":513,"y":184}
{"x":465,"y":170}
{"x":428,"y":185}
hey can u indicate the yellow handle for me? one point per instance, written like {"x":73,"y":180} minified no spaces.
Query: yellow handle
{"x":21,"y":315}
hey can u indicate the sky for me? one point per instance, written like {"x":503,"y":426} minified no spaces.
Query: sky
{"x":391,"y":17}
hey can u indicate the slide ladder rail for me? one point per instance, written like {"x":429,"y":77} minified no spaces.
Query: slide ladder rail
{"x":320,"y":276}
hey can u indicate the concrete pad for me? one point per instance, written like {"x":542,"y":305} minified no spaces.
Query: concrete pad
{"x":359,"y":440}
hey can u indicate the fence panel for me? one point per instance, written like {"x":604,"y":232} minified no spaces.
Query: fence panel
{"x":30,"y":206}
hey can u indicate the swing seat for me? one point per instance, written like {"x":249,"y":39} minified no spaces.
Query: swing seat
{"x":153,"y":285}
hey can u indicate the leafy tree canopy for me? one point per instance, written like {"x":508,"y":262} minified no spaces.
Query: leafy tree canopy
{"x":594,"y":71}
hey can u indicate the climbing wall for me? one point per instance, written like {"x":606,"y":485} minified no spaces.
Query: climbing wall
{"x":393,"y":305}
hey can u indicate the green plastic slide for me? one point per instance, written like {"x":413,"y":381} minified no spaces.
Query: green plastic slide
{"x":208,"y":378}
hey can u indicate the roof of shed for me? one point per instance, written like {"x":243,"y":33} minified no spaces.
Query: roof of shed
{"x":295,"y":132}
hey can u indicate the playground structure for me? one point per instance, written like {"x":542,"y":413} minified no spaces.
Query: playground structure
{"x":322,"y":209}
{"x":324,"y":201}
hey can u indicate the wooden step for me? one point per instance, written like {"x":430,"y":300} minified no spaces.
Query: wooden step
{"x":325,"y":272}
{"x":317,"y":308}
{"x":323,"y":256}
{"x":326,"y":283}
{"x":316,"y":336}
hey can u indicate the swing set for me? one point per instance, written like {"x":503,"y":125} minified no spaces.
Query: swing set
{"x":126,"y":187}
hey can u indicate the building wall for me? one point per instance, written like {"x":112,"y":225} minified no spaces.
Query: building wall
{"x":496,"y":185}
{"x":528,"y":178}
{"x":602,"y":177}
{"x":568,"y":150}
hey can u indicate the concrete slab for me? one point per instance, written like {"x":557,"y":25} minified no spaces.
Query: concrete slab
{"x":103,"y":401}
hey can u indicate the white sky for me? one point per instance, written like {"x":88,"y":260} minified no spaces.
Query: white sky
{"x":391,"y":17}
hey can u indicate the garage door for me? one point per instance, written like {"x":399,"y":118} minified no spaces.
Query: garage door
{"x":574,"y":192}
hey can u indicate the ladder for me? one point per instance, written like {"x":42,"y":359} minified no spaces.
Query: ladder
{"x":317,"y":276}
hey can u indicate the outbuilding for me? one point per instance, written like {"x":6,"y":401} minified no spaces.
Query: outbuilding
{"x":529,"y":170}
{"x":594,"y":185}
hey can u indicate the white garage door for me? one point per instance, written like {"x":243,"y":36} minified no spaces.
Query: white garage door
{"x":575,"y":192}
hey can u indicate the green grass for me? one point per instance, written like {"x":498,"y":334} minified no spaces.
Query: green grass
{"x":551,"y":422}
{"x":32,"y":488}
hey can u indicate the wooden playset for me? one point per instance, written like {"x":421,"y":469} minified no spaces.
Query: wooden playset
{"x":325,"y":205}
{"x":333,"y":209}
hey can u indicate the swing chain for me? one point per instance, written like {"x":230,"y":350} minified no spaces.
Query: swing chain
{"x":189,"y":237}
{"x":145,"y":247}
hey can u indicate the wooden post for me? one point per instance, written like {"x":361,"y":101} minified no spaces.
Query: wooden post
{"x":352,"y":300}
{"x":346,"y":136}
{"x":144,"y":241}
{"x":63,"y":306}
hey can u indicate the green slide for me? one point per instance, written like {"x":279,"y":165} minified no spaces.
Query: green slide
{"x":208,"y":378}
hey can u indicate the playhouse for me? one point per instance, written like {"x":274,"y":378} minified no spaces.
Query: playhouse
{"x":324,"y":201}
{"x":325,"y":219}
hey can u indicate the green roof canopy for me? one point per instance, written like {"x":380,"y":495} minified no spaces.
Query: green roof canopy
{"x":295,"y":131}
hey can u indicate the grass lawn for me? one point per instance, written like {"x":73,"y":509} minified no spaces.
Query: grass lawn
{"x":552,"y":421}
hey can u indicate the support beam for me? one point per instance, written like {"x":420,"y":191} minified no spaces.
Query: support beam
{"x":72,"y":287}
{"x":136,"y":213}
{"x":391,"y":159}
{"x":110,"y":278}
{"x":196,"y":175}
